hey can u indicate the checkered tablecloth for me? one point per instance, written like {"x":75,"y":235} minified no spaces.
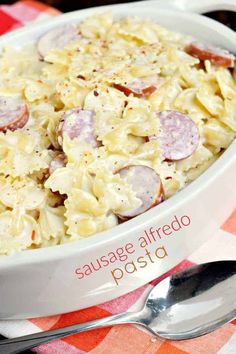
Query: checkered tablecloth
{"x":125,"y":339}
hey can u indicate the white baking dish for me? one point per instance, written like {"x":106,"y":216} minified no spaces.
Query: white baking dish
{"x":44,"y":281}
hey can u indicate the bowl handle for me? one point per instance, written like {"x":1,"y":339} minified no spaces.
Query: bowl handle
{"x":197,"y":6}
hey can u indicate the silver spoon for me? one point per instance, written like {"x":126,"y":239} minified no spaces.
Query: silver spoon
{"x":185,"y":305}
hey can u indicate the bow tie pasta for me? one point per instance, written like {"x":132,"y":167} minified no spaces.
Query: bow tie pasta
{"x":101,"y":121}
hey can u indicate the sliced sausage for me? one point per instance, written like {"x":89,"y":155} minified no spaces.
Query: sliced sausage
{"x":147,"y":185}
{"x":217,"y":56}
{"x":78,"y":123}
{"x":58,"y":37}
{"x":14,"y":113}
{"x":58,"y":162}
{"x":138,"y":87}
{"x":179,"y":135}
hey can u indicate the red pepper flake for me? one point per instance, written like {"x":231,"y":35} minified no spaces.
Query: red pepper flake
{"x":33,"y":235}
{"x":95,"y":93}
{"x":125,"y":103}
{"x":94,"y":70}
{"x":168,"y":177}
{"x":81,"y":77}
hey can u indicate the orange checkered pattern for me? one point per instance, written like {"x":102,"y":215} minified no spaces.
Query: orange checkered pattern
{"x":121,"y":339}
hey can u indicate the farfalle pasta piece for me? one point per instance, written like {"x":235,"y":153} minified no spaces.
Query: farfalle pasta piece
{"x":86,"y":65}
{"x":51,"y":222}
{"x":77,"y":152}
{"x":201,"y":155}
{"x":90,"y":209}
{"x":186,"y":59}
{"x":137,"y":29}
{"x":150,"y":150}
{"x":41,"y":114}
{"x":27,"y":66}
{"x":119,"y":140}
{"x":105,"y":99}
{"x":87,"y":203}
{"x":144,"y":60}
{"x":17,"y":65}
{"x":105,"y":160}
{"x":136,"y":110}
{"x":198,"y":78}
{"x":61,"y":180}
{"x":29,"y":156}
{"x":194,"y":173}
{"x":229,"y":115}
{"x":24,"y":193}
{"x":37,"y":90}
{"x":212,"y":103}
{"x":192,"y":76}
{"x":172,"y":179}
{"x":187,"y":102}
{"x":226,"y":83}
{"x":64,"y":179}
{"x":55,"y":73}
{"x":97,"y":26}
{"x":60,"y":57}
{"x":171,"y":38}
{"x":114,"y":193}
{"x":83,"y":225}
{"x":88,"y":221}
{"x":71,"y":94}
{"x":164,"y":98}
{"x":17,"y":232}
{"x":217,"y":134}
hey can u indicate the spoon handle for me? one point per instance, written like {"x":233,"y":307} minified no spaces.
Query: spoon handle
{"x":16,"y":345}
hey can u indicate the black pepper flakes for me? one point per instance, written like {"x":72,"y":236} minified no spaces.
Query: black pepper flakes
{"x":82,"y":77}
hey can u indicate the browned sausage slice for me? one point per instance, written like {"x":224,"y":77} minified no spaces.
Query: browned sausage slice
{"x":14,"y":113}
{"x":147,"y":185}
{"x":58,"y":162}
{"x":78,"y":123}
{"x":217,"y":56}
{"x":58,"y":37}
{"x":179,"y":135}
{"x":138,"y":87}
